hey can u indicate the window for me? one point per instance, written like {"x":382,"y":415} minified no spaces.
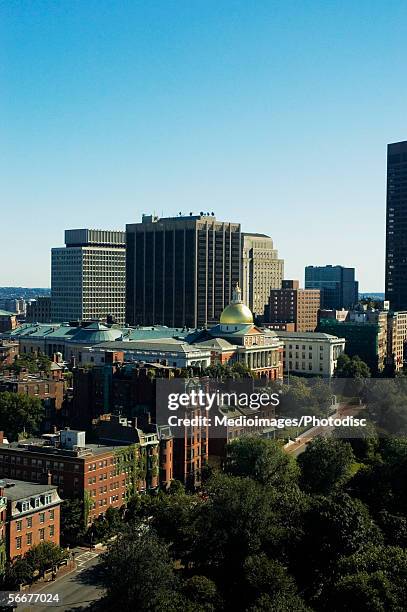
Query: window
{"x":51,"y":515}
{"x":19,"y":525}
{"x":51,"y":530}
{"x":25,"y":506}
{"x":42,"y":517}
{"x":29,"y":538}
{"x":37,"y":502}
{"x":42,"y":533}
{"x":48,"y":499}
{"x":18,"y":542}
{"x":29,"y":521}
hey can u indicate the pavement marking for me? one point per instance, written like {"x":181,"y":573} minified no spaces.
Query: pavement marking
{"x":84,"y":558}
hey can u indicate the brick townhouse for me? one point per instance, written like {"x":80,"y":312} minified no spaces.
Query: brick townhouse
{"x":30,"y":514}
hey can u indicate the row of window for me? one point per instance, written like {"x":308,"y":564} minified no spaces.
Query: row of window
{"x":29,"y":520}
{"x":29,"y":539}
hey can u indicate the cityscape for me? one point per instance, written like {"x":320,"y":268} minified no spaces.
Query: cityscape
{"x":184,"y":423}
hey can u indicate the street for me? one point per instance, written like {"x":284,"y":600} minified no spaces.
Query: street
{"x":76,"y":590}
{"x":300,"y":444}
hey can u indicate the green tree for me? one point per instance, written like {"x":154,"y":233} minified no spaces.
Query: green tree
{"x":72,"y":521}
{"x":202,"y":592}
{"x":45,"y":555}
{"x":106,"y":526}
{"x":19,"y":414}
{"x":372,"y":579}
{"x":16,"y":573}
{"x":138,"y":572}
{"x":364,"y":592}
{"x":260,"y":459}
{"x":236,"y":520}
{"x":333,"y":527}
{"x":351,"y":367}
{"x":268,"y":581}
{"x":363,"y":440}
{"x":325,"y":465}
{"x":32,"y":362}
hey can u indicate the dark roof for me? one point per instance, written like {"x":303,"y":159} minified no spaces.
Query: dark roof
{"x":20,"y":489}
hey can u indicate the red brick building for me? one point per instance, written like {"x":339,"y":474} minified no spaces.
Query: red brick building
{"x":101,"y":475}
{"x":290,"y":304}
{"x":8,"y":352}
{"x":30,"y":515}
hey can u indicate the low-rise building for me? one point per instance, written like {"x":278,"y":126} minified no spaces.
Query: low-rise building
{"x":69,"y":339}
{"x":31,"y":514}
{"x":8,"y":321}
{"x":311,"y":353}
{"x":102,"y":475}
{"x":8,"y":352}
{"x":47,"y":387}
{"x":166,"y":351}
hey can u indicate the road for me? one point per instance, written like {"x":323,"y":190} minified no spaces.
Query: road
{"x":76,"y":590}
{"x":305,"y":438}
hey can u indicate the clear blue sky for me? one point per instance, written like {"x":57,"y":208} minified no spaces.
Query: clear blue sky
{"x":274,"y":114}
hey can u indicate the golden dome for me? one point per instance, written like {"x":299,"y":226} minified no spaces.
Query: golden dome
{"x":236,"y":314}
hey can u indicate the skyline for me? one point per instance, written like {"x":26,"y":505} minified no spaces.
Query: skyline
{"x":114,"y":110}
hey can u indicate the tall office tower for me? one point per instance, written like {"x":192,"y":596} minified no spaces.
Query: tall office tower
{"x":88,"y":276}
{"x":290,"y":304}
{"x":396,"y":226}
{"x":262,"y":270}
{"x":180,"y":270}
{"x":336,"y":283}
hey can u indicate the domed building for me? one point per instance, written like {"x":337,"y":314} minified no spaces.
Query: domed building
{"x":237,"y":339}
{"x":236,"y":313}
{"x":88,"y":336}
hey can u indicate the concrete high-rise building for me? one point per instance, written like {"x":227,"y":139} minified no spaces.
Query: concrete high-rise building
{"x":262,"y":270}
{"x":337,"y":284}
{"x":290,"y":304}
{"x":396,"y":226}
{"x":180,"y":270}
{"x":88,"y":276}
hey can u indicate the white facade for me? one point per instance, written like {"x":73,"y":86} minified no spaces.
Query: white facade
{"x":166,"y":351}
{"x":311,"y":353}
{"x":88,"y":276}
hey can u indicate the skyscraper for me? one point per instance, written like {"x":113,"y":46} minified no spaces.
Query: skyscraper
{"x":180,"y":270}
{"x":262,"y":270}
{"x":88,"y":276}
{"x":396,"y":226}
{"x":337,"y":284}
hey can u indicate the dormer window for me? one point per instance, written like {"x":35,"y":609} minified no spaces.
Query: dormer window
{"x":37,"y":502}
{"x":25,"y":506}
{"x":48,"y":499}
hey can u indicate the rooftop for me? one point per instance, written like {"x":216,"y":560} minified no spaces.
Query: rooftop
{"x":307,"y":335}
{"x":39,"y":445}
{"x":20,"y":489}
{"x":172,"y":345}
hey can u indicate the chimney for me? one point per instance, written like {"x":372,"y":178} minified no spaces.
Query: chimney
{"x":1,"y":437}
{"x":46,"y":478}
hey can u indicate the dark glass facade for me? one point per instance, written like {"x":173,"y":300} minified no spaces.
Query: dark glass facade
{"x":396,"y":226}
{"x":180,"y":271}
{"x":336,"y":283}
